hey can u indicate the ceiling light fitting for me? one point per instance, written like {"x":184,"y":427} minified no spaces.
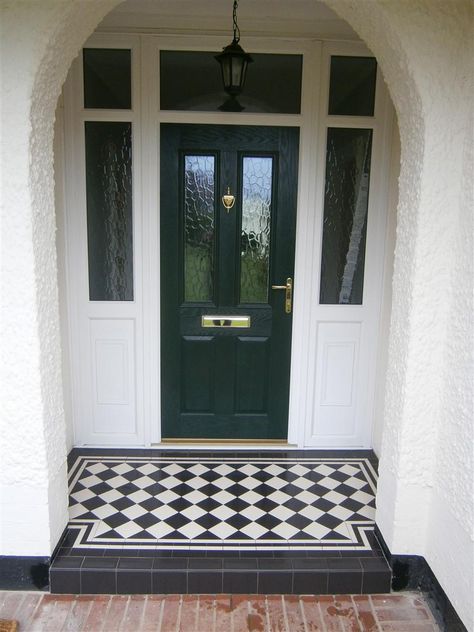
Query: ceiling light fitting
{"x":233,"y":62}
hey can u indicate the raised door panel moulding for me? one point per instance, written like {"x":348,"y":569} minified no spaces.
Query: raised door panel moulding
{"x":338,"y":374}
{"x":111,"y":362}
{"x":112,"y":345}
{"x":335,"y":415}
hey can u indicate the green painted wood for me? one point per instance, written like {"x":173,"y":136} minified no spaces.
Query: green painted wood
{"x":226,"y":383}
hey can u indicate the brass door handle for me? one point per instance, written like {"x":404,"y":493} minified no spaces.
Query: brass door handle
{"x":288,"y":293}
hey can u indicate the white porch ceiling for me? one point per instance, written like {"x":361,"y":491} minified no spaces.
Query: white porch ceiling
{"x":282,"y":18}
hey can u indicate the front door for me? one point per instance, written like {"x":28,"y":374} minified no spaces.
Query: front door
{"x":225,"y":331}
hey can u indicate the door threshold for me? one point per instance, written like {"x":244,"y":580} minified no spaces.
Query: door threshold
{"x":225,"y":443}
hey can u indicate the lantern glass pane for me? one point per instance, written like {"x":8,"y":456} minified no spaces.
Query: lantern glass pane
{"x":226,"y":68}
{"x":236,"y":71}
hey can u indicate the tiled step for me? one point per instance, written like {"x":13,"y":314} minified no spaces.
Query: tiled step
{"x":295,"y":522}
{"x":234,"y":575}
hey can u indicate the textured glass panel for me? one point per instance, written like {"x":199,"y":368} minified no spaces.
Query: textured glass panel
{"x":345,"y":215}
{"x":109,"y":210}
{"x":256,"y":223}
{"x":107,"y":78}
{"x":199,"y":203}
{"x":193,"y":81}
{"x":352,"y":86}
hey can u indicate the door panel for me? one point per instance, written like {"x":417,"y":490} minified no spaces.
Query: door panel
{"x":198,"y":359}
{"x":112,"y":354}
{"x":340,"y":380}
{"x":223,"y":381}
{"x":251,"y":364}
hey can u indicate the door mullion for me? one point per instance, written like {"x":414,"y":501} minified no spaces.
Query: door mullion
{"x":228,"y":223}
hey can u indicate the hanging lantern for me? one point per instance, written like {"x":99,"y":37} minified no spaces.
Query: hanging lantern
{"x":233,"y":62}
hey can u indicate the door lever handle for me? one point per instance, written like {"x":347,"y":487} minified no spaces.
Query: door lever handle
{"x":288,"y":293}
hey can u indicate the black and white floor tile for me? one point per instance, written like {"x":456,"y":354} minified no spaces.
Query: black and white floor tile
{"x":226,"y":503}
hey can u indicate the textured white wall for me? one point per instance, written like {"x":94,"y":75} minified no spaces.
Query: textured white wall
{"x":38,"y":42}
{"x":425,"y":493}
{"x":386,"y":306}
{"x":60,"y":202}
{"x":425,"y":50}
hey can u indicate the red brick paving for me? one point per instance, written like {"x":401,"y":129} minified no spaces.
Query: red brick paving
{"x":39,"y":612}
{"x":294,"y":613}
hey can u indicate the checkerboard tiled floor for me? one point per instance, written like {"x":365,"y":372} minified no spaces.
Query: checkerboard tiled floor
{"x":223,"y":503}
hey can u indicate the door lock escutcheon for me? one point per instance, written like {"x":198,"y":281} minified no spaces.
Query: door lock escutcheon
{"x":288,"y":293}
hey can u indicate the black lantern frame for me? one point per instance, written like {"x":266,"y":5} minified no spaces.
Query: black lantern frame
{"x":233,"y":62}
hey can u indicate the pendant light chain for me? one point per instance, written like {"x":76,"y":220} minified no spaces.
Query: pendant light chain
{"x":234,"y":19}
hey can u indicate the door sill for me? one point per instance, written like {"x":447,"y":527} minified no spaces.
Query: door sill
{"x":225,"y":444}
{"x":226,"y":441}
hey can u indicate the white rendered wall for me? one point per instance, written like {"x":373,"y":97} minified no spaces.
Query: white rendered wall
{"x":424,"y":48}
{"x":38,"y":43}
{"x":425,"y":492}
{"x":59,"y":203}
{"x":386,"y":304}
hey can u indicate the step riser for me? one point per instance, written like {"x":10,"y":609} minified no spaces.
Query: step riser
{"x":127,"y":581}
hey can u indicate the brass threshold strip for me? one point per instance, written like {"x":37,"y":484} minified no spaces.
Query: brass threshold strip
{"x":227,"y":441}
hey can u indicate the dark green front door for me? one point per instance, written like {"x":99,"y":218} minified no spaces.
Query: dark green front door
{"x":225,"y":333}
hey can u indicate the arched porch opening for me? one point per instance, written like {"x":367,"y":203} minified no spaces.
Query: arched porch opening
{"x":428,"y":362}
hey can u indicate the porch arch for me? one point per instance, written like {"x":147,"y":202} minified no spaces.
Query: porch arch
{"x":377,"y":27}
{"x":424,"y":50}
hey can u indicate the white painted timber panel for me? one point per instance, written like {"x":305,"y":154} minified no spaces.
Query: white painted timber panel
{"x":338,"y":373}
{"x":112,"y":345}
{"x":336,"y":394}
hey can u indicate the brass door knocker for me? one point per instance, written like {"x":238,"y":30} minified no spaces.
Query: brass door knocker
{"x":228,"y":200}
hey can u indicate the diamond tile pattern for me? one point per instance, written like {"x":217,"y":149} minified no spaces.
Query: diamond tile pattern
{"x":224,"y":503}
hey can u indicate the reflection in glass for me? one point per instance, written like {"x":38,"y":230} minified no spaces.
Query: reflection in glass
{"x":345,"y":215}
{"x":256,"y":223}
{"x":198,"y":227}
{"x":107,"y":78}
{"x":352,"y":86}
{"x":191,"y":80}
{"x":109,"y":210}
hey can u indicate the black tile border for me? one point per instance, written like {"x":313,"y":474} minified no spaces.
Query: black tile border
{"x":412,"y":572}
{"x":217,"y":454}
{"x":234,"y":453}
{"x":257,"y":575}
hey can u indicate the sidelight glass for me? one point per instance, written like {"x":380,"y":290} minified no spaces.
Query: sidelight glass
{"x":107,"y":78}
{"x":352,"y":86}
{"x":346,"y":198}
{"x":257,"y":174}
{"x":109,"y":210}
{"x":199,"y":227}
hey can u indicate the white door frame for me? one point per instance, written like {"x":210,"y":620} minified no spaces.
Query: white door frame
{"x":367,"y":315}
{"x":144,"y":311}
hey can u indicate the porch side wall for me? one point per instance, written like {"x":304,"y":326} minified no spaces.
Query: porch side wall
{"x":386,"y":305}
{"x":425,"y":492}
{"x":38,"y":43}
